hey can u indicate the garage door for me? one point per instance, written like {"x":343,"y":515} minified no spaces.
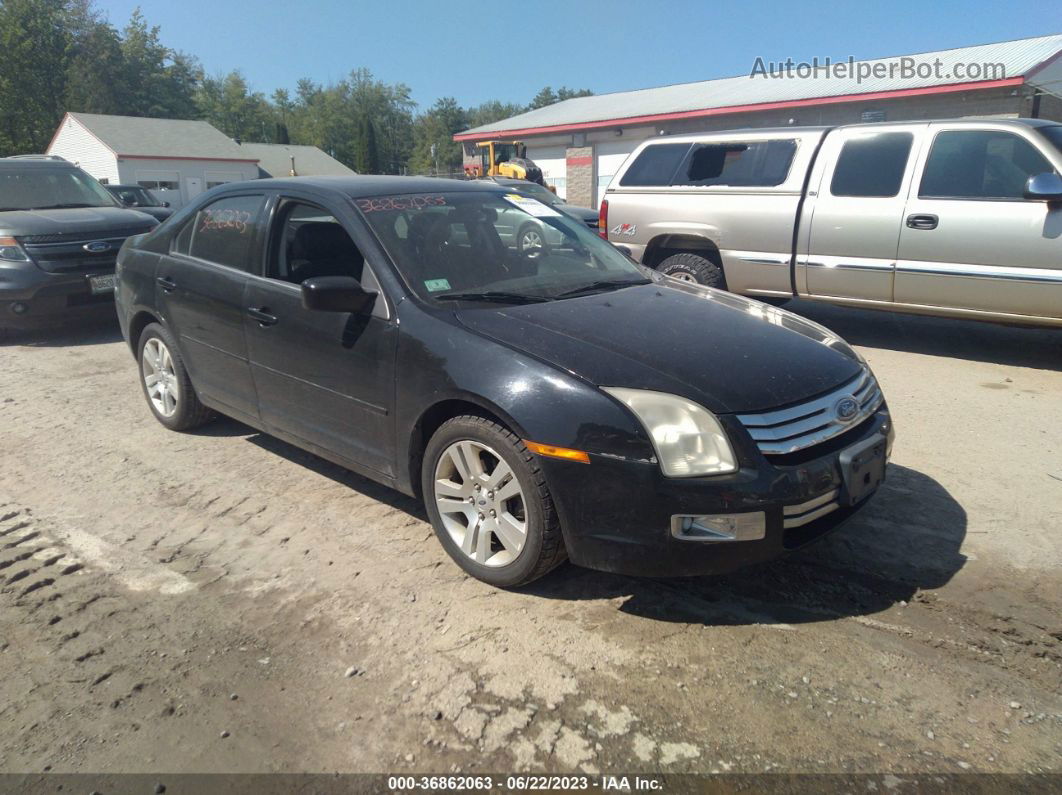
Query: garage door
{"x":551,"y":159}
{"x":610,"y":156}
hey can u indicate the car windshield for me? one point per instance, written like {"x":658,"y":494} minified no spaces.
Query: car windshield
{"x":50,"y":188}
{"x":494,"y":247}
{"x":535,"y":190}
{"x":134,"y":195}
{"x":1053,"y":133}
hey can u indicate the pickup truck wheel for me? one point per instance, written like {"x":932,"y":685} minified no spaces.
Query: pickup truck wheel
{"x":693,"y":268}
{"x":489,"y":503}
{"x":166,"y":384}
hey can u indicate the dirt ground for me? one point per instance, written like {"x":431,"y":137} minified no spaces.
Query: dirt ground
{"x":222,"y":601}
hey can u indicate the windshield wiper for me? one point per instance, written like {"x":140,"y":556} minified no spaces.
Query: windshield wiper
{"x":497,"y":296}
{"x":601,"y":286}
{"x":67,"y":206}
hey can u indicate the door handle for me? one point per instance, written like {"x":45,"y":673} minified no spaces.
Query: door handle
{"x":262,"y":316}
{"x":922,"y":221}
{"x":168,"y":285}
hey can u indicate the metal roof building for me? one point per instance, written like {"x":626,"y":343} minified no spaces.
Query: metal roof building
{"x":581,"y":142}
{"x":280,"y":160}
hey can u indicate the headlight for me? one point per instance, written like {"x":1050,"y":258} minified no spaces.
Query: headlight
{"x":688,"y":439}
{"x":11,"y":250}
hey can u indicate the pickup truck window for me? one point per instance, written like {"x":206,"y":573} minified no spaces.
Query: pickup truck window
{"x":980,"y":164}
{"x":655,"y":165}
{"x":872,"y":164}
{"x":752,"y":164}
{"x":222,"y":232}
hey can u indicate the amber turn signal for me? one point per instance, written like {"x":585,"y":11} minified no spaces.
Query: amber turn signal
{"x":557,"y":452}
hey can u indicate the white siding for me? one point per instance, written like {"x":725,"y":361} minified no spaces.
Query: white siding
{"x":135,"y":170}
{"x":552,"y":162}
{"x":81,"y":148}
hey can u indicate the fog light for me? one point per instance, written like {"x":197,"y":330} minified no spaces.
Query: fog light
{"x":720,"y":527}
{"x":19,"y":308}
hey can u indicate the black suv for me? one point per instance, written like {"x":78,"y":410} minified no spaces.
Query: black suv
{"x":60,"y":231}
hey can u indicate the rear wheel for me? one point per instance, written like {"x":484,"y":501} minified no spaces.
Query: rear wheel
{"x":489,"y":503}
{"x":166,"y":384}
{"x":688,"y":267}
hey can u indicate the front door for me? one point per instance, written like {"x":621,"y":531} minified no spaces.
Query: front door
{"x":857,"y":212}
{"x":324,"y":377}
{"x":200,"y":289}
{"x":970,"y":239}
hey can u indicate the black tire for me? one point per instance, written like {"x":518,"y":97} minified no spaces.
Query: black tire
{"x":541,"y":250}
{"x":189,"y":412}
{"x":693,"y":267}
{"x":543,"y":547}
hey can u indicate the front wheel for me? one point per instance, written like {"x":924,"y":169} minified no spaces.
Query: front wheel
{"x":489,"y":503}
{"x":531,"y":241}
{"x":166,"y":384}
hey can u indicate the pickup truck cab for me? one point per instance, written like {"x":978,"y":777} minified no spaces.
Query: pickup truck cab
{"x":957,"y":218}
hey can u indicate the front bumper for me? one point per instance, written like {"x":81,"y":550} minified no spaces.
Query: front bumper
{"x":33,"y":298}
{"x":617,"y":515}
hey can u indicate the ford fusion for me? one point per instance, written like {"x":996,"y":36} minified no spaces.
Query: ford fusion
{"x":550,"y":404}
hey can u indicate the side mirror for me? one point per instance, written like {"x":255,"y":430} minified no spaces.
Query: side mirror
{"x":336,"y":294}
{"x":1046,"y":187}
{"x":165,"y":204}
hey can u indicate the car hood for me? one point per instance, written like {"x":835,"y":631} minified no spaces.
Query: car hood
{"x":89,"y":220}
{"x":728,"y":353}
{"x":584,"y":214}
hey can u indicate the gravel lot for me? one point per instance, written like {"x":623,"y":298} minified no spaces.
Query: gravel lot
{"x":222,"y":601}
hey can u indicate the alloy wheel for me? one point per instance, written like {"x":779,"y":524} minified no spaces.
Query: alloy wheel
{"x":481,"y":503}
{"x":531,"y":243}
{"x":156,"y":364}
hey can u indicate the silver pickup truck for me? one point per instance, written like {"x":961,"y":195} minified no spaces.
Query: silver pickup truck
{"x":957,"y":218}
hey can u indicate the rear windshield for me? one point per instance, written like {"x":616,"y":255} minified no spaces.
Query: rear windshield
{"x":50,"y":189}
{"x":734,"y":163}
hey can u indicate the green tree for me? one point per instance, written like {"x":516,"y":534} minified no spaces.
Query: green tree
{"x":35,"y":44}
{"x":492,"y":111}
{"x":367,"y":159}
{"x":547,"y":96}
{"x":161,"y":82}
{"x":228,"y":104}
{"x":433,"y":131}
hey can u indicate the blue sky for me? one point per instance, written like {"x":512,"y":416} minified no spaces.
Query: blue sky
{"x":508,"y":49}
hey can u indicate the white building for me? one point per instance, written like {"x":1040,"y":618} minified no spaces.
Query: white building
{"x":174,"y":158}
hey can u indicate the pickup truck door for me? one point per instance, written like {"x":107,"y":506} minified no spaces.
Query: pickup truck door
{"x":854,"y":209}
{"x":970,"y":240}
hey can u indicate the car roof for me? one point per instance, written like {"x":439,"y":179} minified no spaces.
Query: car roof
{"x":366,"y":185}
{"x":21,"y":164}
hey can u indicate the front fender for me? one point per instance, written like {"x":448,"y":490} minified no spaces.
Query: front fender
{"x":439,"y":360}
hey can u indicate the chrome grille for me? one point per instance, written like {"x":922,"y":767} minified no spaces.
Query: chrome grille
{"x":797,"y":427}
{"x":800,"y":515}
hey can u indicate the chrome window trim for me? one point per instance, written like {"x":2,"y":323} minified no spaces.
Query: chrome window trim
{"x":1002,"y":272}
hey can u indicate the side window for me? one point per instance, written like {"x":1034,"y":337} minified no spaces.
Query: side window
{"x":223,"y":231}
{"x":655,"y":165}
{"x":752,"y":164}
{"x":310,"y":242}
{"x":980,"y":164}
{"x":872,"y":164}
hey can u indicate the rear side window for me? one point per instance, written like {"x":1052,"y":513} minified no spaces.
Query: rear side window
{"x":751,"y":164}
{"x":655,"y":165}
{"x":980,"y":164}
{"x":872,"y":164}
{"x":223,"y":231}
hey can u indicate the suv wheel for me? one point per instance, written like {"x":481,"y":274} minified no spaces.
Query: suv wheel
{"x":489,"y":503}
{"x":165,"y":382}
{"x":693,"y":268}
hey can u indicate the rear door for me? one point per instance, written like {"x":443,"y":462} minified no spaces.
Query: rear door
{"x":860,"y":190}
{"x":200,"y":292}
{"x":324,"y":377}
{"x":970,"y":240}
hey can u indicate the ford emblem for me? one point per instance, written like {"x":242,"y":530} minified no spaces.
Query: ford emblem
{"x":97,"y":247}
{"x":846,"y":409}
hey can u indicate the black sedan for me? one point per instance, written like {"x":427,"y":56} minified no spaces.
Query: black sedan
{"x":568,"y":405}
{"x":138,"y":198}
